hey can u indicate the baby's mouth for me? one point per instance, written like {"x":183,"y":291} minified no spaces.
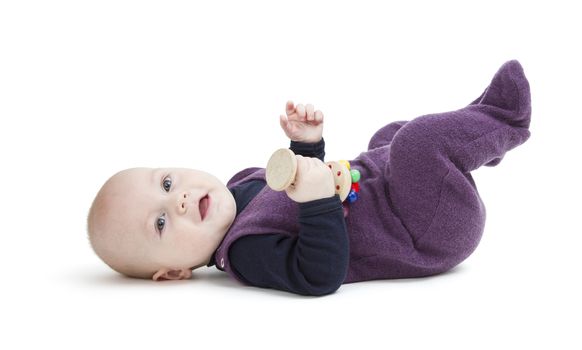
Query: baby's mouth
{"x":203,"y":205}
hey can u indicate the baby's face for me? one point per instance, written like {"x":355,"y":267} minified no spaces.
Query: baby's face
{"x":175,"y":218}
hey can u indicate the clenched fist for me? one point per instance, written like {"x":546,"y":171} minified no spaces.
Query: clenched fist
{"x":313,"y":181}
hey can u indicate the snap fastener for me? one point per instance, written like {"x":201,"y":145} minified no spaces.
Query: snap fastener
{"x":221,"y":262}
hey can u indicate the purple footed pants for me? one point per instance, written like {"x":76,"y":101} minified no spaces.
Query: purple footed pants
{"x":433,"y":217}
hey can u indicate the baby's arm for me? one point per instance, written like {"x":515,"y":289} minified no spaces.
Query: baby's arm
{"x":304,"y":127}
{"x":314,"y":262}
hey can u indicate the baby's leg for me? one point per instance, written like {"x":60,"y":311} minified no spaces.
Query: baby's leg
{"x":384,"y":136}
{"x":430,"y":159}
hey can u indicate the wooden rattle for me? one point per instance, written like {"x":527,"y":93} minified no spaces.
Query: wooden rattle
{"x":282,"y":168}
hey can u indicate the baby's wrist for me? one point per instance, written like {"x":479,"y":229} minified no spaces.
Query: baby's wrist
{"x":320,"y":206}
{"x":307,"y":143}
{"x":307,"y":140}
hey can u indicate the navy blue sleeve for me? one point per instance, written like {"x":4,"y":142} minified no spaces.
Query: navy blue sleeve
{"x":313,"y":263}
{"x":314,"y":150}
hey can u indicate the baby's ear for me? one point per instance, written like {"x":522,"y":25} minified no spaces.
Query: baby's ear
{"x":167,"y":274}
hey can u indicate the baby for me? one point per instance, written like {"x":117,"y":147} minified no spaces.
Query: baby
{"x":419,"y":212}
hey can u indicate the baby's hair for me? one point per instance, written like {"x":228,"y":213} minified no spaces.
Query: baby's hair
{"x":96,"y":233}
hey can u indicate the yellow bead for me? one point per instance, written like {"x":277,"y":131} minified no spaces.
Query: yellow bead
{"x":346,"y":163}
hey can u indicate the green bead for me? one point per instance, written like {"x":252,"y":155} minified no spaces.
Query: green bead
{"x":355,"y":175}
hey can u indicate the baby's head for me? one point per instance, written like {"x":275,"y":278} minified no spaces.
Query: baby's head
{"x":159,"y":223}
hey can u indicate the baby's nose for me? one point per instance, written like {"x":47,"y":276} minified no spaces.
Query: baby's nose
{"x":183,"y":203}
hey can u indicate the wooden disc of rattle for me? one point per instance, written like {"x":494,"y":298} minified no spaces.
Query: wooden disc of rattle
{"x":342,"y":179}
{"x":281,"y":169}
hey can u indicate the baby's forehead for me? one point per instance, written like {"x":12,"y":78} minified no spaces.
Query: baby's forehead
{"x":125,"y":196}
{"x":130,"y":176}
{"x":126,"y":184}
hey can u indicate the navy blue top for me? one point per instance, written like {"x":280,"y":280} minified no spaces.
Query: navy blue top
{"x":314,"y":262}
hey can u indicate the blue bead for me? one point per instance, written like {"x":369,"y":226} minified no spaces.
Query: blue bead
{"x":352,"y":196}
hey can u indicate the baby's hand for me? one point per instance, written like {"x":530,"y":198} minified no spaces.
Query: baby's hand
{"x":302,"y":124}
{"x":312,"y":181}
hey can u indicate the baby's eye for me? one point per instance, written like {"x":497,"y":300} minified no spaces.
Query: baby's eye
{"x":167,"y":184}
{"x":160,"y":223}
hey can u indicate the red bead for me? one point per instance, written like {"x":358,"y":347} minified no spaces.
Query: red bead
{"x":356,"y":187}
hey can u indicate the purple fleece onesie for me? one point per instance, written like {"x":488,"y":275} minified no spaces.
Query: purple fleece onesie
{"x":419,"y":212}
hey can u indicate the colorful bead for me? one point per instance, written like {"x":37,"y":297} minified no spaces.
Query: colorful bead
{"x":355,"y":175}
{"x":352,"y":197}
{"x":345,"y":163}
{"x":355,"y":186}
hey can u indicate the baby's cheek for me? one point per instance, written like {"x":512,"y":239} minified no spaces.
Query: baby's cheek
{"x":187,"y":240}
{"x":170,"y":254}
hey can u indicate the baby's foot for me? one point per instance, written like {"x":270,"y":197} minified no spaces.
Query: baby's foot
{"x":509,"y":91}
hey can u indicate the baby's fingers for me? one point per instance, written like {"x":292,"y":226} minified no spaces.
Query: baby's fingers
{"x":289,"y":108}
{"x":300,"y":111}
{"x":318,"y":116}
{"x":284,"y":123}
{"x":309,"y":112}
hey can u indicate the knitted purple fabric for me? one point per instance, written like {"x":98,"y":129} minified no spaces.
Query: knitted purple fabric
{"x":419,"y":212}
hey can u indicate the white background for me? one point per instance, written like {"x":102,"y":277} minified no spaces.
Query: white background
{"x":90,"y":88}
